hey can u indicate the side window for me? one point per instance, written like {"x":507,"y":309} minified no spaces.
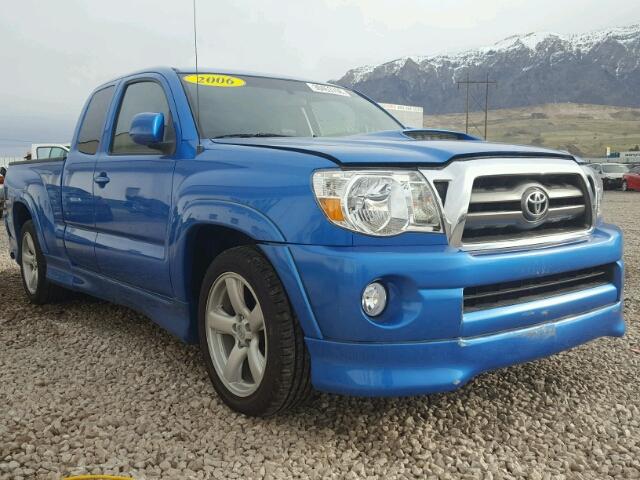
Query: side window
{"x":93,"y":122}
{"x":44,"y":153}
{"x":140,"y":97}
{"x":56,"y":152}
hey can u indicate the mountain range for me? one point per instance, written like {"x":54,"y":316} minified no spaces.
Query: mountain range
{"x":600,"y":67}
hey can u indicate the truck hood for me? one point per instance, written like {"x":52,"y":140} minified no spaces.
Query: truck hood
{"x":394,"y":147}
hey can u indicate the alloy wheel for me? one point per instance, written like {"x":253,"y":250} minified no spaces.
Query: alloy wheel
{"x":236,"y":334}
{"x":29,"y":263}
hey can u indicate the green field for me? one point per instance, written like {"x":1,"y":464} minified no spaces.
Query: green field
{"x":582,"y":129}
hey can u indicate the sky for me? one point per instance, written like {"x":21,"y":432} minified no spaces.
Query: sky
{"x":52,"y":54}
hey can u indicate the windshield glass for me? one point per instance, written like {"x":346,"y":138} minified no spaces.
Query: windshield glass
{"x":257,"y":106}
{"x":614,"y":169}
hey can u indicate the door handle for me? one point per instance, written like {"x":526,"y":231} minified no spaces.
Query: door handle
{"x":101,"y":179}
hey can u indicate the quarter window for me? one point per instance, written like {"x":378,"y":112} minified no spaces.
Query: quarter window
{"x":44,"y":153}
{"x":140,"y":97}
{"x":93,"y":122}
{"x":57,"y":152}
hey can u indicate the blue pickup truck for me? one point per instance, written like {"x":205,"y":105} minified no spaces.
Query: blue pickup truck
{"x":306,"y":239}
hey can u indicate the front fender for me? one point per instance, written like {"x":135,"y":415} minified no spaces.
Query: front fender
{"x":198,"y":212}
{"x":228,"y":214}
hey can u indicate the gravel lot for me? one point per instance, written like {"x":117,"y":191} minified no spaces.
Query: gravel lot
{"x":89,"y":387}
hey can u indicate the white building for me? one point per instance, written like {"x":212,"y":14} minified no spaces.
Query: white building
{"x":629,"y":157}
{"x":408,"y":115}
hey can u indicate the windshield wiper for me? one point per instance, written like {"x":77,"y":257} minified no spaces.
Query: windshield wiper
{"x":251,"y":135}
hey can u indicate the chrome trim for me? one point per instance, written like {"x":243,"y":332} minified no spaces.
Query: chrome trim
{"x":461,"y":175}
{"x":515,"y":195}
{"x":508,"y":217}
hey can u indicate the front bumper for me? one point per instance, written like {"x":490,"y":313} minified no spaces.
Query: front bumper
{"x":396,"y":369}
{"x":424,"y":341}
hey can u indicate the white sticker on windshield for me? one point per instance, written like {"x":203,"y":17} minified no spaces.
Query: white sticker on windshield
{"x":317,"y":87}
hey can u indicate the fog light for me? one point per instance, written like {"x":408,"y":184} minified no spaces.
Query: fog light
{"x":374,"y":299}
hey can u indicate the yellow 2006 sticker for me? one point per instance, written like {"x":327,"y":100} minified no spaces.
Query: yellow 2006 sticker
{"x":214,"y":80}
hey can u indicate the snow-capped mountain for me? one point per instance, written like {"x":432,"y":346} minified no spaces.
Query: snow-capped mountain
{"x":600,"y":67}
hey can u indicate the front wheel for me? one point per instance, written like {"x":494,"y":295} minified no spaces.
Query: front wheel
{"x":252,"y":344}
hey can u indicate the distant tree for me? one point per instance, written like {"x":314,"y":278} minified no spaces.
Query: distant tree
{"x":635,"y":149}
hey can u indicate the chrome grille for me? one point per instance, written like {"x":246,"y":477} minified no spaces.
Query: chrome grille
{"x":456,"y":180}
{"x":501,"y":208}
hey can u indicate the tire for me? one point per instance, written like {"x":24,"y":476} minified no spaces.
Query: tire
{"x":625,"y":187}
{"x":274,"y":366}
{"x":33,"y":268}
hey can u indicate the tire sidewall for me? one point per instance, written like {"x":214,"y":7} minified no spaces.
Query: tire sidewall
{"x":261,"y":399}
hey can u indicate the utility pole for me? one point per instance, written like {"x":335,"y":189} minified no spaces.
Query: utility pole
{"x":467,"y":83}
{"x":486,"y":106}
{"x":467,"y":107}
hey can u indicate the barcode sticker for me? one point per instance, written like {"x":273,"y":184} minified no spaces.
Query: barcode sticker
{"x":317,"y":87}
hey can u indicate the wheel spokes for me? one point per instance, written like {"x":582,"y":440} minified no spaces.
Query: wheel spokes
{"x":233,"y":314}
{"x":220,"y":321}
{"x":30,"y":245}
{"x":233,"y":368}
{"x":256,"y":361}
{"x":28,"y":257}
{"x":235,"y":290}
{"x":33,"y":279}
{"x":256,"y":319}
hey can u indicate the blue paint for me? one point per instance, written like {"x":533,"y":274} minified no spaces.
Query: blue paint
{"x":147,"y":128}
{"x":119,"y":227}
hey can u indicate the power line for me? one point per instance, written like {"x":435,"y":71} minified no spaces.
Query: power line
{"x":467,"y":84}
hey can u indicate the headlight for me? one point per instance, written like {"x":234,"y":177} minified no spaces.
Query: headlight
{"x":380,"y":203}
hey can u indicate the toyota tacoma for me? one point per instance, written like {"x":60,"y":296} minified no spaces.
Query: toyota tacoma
{"x":306,"y":239}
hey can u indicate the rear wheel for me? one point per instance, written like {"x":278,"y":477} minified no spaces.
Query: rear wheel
{"x":251,"y":342}
{"x":33,"y":268}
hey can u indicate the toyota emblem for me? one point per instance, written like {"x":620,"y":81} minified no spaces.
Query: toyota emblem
{"x":535,"y":204}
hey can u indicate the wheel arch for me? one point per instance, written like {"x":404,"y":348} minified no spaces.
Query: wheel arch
{"x":22,"y":212}
{"x":205,"y":241}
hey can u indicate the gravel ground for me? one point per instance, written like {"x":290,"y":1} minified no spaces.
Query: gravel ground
{"x":89,"y":387}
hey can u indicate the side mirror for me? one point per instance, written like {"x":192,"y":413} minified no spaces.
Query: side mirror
{"x":147,"y":129}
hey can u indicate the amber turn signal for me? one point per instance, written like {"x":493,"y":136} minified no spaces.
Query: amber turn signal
{"x":332,"y":208}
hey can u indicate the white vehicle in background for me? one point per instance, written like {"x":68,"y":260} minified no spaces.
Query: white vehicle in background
{"x":610,"y":173}
{"x":43,"y":151}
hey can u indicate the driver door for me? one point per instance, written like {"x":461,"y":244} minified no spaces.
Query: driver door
{"x":133,"y":192}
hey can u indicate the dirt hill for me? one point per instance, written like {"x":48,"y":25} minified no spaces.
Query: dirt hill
{"x":580,"y":128}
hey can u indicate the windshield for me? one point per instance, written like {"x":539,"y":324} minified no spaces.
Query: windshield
{"x":614,"y":169}
{"x":256,"y":106}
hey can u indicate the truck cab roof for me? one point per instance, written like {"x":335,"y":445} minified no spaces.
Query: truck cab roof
{"x":169,"y":71}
